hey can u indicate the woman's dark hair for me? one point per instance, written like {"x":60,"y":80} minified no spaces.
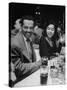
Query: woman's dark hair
{"x":48,"y":22}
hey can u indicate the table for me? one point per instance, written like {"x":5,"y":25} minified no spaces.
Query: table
{"x":34,"y":79}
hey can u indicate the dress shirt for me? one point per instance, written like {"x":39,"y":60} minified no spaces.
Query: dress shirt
{"x":28,"y":46}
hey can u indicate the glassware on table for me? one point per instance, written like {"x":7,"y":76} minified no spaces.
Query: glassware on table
{"x":53,"y":72}
{"x":44,"y":71}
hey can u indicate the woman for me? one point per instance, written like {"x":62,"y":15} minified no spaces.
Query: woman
{"x":47,"y":44}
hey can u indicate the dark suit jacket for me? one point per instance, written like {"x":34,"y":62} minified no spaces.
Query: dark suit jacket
{"x":24,"y":66}
{"x":46,"y":49}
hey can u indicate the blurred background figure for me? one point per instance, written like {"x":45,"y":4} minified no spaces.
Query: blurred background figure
{"x":17,"y":27}
{"x":60,"y":31}
{"x":62,"y":41}
{"x":38,"y":30}
{"x":61,"y":38}
{"x":18,"y":24}
{"x":36,"y":39}
{"x":37,"y":34}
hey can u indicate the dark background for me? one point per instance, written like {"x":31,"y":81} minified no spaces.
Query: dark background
{"x":17,"y":10}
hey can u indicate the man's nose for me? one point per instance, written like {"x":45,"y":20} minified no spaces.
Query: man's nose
{"x":29,"y":30}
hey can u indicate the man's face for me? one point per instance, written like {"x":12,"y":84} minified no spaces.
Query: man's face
{"x":27,"y":28}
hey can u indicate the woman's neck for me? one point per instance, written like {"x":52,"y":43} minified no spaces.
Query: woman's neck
{"x":49,"y":38}
{"x":49,"y":41}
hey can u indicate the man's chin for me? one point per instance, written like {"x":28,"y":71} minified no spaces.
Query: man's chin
{"x":28,"y":37}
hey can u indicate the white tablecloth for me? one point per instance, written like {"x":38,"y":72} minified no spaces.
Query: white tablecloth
{"x":32,"y":80}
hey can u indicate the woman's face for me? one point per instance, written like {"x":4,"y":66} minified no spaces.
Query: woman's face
{"x":50,"y":30}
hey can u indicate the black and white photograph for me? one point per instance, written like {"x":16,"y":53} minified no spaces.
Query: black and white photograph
{"x":36,"y":44}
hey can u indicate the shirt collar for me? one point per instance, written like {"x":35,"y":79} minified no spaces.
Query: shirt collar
{"x":24,"y":38}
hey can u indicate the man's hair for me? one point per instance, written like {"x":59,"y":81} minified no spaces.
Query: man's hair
{"x":29,"y":17}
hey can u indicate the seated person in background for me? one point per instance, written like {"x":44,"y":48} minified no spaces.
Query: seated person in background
{"x":59,"y":30}
{"x":47,"y":45}
{"x":61,"y":38}
{"x":38,"y":31}
{"x":61,"y":43}
{"x":17,"y":27}
{"x":37,"y":34}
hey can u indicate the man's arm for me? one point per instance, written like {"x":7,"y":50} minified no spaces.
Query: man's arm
{"x":19,"y":64}
{"x":28,"y":67}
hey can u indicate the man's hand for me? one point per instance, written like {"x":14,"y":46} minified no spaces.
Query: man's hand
{"x":13,"y":76}
{"x":18,"y":64}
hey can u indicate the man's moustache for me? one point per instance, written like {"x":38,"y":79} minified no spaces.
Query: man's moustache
{"x":28,"y":32}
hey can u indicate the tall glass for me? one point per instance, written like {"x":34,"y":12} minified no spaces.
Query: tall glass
{"x":44,"y":71}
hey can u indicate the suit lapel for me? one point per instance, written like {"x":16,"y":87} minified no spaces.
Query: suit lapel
{"x":23,"y":47}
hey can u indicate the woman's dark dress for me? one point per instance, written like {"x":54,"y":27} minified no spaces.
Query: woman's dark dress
{"x":46,"y":50}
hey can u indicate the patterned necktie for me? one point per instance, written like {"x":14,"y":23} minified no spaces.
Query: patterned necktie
{"x":29,"y":48}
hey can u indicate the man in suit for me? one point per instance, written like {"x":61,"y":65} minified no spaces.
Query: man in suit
{"x":22,"y":53}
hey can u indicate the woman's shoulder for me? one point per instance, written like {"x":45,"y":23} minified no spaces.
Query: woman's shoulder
{"x":42,"y":38}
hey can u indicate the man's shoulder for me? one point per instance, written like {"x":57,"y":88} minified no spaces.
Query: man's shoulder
{"x":16,"y":39}
{"x":17,"y":36}
{"x":14,"y":32}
